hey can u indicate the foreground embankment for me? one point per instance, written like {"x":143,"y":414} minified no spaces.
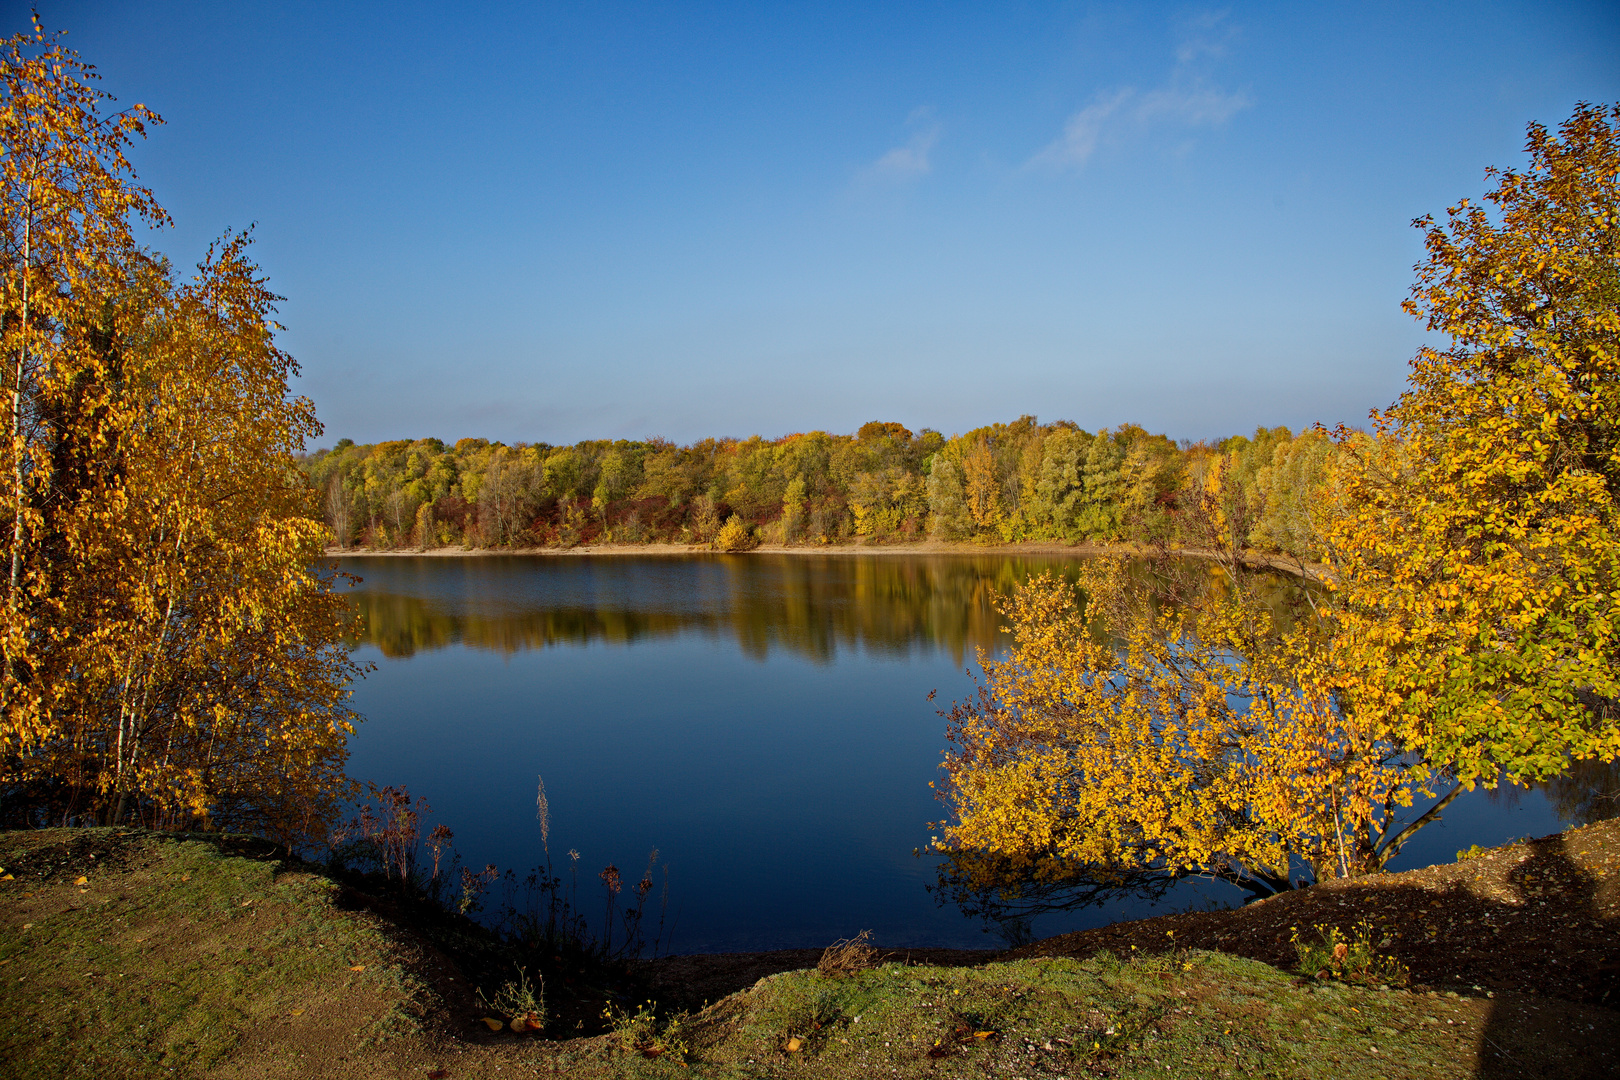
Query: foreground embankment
{"x":131,"y":954}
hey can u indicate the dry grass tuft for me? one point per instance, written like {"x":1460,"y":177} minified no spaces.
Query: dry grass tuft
{"x":848,"y":955}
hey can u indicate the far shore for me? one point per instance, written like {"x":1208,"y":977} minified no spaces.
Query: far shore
{"x":1314,"y":571}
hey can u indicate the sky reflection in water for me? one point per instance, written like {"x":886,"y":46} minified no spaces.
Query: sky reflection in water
{"x":762,"y":720}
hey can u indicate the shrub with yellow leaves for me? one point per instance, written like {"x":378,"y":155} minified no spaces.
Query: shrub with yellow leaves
{"x":172,"y":652}
{"x":1166,"y":721}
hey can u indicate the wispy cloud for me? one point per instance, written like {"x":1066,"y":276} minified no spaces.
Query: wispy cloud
{"x":909,"y":160}
{"x":1206,"y":33}
{"x":1186,"y":99}
{"x":1078,"y":142}
{"x":1195,"y":104}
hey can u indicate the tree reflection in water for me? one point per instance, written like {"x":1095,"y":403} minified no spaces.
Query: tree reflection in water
{"x":1588,"y":792}
{"x":810,"y":605}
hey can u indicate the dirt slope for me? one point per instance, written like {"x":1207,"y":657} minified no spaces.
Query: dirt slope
{"x":133,"y":954}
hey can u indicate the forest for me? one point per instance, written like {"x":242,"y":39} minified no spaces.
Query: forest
{"x":1004,"y":483}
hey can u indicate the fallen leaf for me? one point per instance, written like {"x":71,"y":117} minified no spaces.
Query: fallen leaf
{"x":9,"y":877}
{"x":492,"y":1023}
{"x":298,"y":1012}
{"x":438,"y":1074}
{"x":358,"y":967}
{"x":247,"y":903}
{"x":82,"y":881}
{"x":793,"y":1046}
{"x":518,"y":1025}
{"x":185,"y":877}
{"x":984,"y":1034}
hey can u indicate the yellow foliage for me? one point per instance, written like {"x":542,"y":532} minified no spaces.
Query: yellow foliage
{"x":172,"y":653}
{"x":981,"y":481}
{"x":1470,"y":628}
{"x":1171,"y":723}
{"x":734,"y":535}
{"x":881,"y":502}
{"x":1479,"y":561}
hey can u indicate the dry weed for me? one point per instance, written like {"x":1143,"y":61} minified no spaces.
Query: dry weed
{"x":848,"y":955}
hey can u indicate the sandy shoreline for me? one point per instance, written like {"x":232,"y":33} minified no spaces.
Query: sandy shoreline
{"x":921,"y":547}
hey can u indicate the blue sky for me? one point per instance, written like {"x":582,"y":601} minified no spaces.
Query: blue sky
{"x":546,"y":223}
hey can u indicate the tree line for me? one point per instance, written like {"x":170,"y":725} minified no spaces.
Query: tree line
{"x":1005,"y":483}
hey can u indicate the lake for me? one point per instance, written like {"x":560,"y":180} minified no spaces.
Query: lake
{"x":762,"y":720}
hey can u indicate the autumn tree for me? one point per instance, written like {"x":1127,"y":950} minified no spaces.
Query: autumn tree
{"x":1481,"y":563}
{"x":1468,"y":631}
{"x":67,"y":203}
{"x":1171,"y":718}
{"x":172,"y":653}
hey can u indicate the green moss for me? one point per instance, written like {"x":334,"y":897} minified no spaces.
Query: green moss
{"x":1193,"y":1014}
{"x":167,"y":961}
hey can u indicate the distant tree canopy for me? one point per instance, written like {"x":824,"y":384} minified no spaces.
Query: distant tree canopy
{"x":1023,"y":481}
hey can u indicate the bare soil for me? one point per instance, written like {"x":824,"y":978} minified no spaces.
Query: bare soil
{"x":1540,"y":917}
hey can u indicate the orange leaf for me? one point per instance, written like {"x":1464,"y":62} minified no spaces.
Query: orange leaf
{"x":82,"y":881}
{"x":358,"y":967}
{"x":492,"y":1023}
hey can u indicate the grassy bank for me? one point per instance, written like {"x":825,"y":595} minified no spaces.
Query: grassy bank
{"x":132,"y":954}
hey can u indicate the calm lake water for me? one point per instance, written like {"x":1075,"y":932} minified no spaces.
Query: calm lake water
{"x":761,"y":720}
